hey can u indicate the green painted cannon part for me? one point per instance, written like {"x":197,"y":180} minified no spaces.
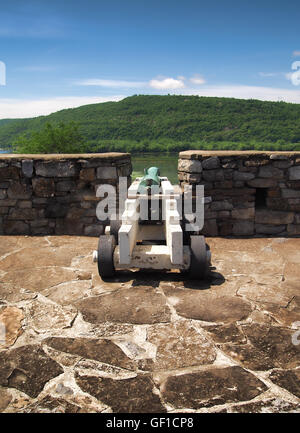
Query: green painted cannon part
{"x":150,"y":178}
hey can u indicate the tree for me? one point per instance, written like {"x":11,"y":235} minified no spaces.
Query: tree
{"x":61,"y":138}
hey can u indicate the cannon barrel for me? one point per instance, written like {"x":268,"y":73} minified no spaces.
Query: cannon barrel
{"x":150,"y":178}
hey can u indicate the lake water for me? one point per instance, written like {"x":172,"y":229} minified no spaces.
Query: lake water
{"x":166,"y":162}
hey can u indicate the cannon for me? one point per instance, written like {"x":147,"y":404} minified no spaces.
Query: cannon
{"x":151,"y":234}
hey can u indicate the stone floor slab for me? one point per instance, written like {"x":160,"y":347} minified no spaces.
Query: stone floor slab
{"x":28,"y":369}
{"x":149,"y":341}
{"x":212,"y":387}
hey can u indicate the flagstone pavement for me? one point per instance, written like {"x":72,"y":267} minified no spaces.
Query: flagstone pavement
{"x":148,"y":341}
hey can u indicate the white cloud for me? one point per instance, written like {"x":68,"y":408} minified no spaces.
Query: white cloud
{"x":288,"y":76}
{"x":167,"y":83}
{"x":268,"y":74}
{"x":247,"y":92}
{"x":20,"y":108}
{"x":110,"y":83}
{"x":197,"y":79}
{"x":296,"y":53}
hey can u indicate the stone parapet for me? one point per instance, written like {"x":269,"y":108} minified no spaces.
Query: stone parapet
{"x":253,"y":193}
{"x":56,"y":194}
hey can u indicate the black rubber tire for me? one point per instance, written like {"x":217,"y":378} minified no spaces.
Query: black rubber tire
{"x":106,"y":247}
{"x":114,"y":228}
{"x":199,"y":265}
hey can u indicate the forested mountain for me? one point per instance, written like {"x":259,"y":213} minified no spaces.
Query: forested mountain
{"x":171,"y":122}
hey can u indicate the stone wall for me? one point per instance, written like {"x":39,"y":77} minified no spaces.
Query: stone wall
{"x":253,"y":193}
{"x":56,"y":194}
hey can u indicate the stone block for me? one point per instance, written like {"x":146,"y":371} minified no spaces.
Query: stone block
{"x":293,"y":229}
{"x":224,"y":214}
{"x":39,"y":201}
{"x":125,"y":170}
{"x":4,"y":185}
{"x":256,"y":162}
{"x":262,"y":183}
{"x":244,"y":204}
{"x":108,"y":172}
{"x":210,"y":215}
{"x":274,"y":192}
{"x":294,"y":184}
{"x":243,"y":228}
{"x":8,"y":203}
{"x":66,"y":185}
{"x":228,"y":174}
{"x":278,"y":204}
{"x":43,"y":187}
{"x":25,"y":204}
{"x":75,"y":213}
{"x":87,"y":174}
{"x":9,"y":173}
{"x":282,"y":164}
{"x":189,"y":178}
{"x":230,"y":164}
{"x":189,"y":165}
{"x":56,"y":210}
{"x":15,"y":228}
{"x":239,"y":193}
{"x":4,"y":210}
{"x":225,"y":184}
{"x":225,"y":228}
{"x":294,"y":173}
{"x":269,"y":229}
{"x":27,"y":167}
{"x":211,"y":163}
{"x":221,"y":205}
{"x":290,"y":193}
{"x":42,"y":231}
{"x":243,"y":214}
{"x":56,"y":169}
{"x":213,"y":175}
{"x":266,"y":216}
{"x":19,"y":191}
{"x":210,"y":228}
{"x":278,"y":156}
{"x":269,"y":171}
{"x":22,"y":214}
{"x":39,"y":222}
{"x":238,"y":184}
{"x":238,"y":175}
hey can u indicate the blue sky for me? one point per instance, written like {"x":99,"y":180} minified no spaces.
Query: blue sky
{"x":68,"y":53}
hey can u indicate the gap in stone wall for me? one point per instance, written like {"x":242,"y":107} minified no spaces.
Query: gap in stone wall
{"x":261,"y":198}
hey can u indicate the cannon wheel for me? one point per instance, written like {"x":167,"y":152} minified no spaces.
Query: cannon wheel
{"x":106,"y":247}
{"x":199,"y":260}
{"x":114,"y":228}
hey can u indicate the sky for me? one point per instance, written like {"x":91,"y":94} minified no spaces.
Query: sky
{"x":67,"y":53}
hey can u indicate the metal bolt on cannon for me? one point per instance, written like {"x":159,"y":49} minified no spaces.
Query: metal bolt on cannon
{"x":150,"y":234}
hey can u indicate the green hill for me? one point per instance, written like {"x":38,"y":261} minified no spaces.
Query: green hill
{"x":172,"y":122}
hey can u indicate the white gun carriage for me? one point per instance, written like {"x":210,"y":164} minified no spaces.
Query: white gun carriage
{"x":151,"y":233}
